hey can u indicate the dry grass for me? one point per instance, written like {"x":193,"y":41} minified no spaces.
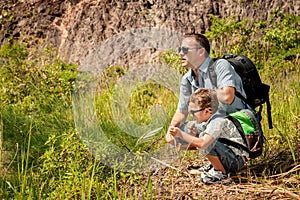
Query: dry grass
{"x":175,"y":182}
{"x":170,"y":184}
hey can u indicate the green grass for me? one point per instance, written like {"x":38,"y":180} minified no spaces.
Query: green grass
{"x":285,"y":103}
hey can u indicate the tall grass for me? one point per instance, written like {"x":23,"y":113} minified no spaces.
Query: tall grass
{"x":285,"y":102}
{"x":1,"y":143}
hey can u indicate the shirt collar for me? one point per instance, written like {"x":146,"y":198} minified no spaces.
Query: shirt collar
{"x":214,"y":116}
{"x":204,"y":66}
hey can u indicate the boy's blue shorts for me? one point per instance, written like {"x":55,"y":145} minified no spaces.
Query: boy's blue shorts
{"x":232,"y":163}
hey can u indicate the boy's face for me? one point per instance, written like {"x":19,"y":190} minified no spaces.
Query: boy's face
{"x":199,"y":114}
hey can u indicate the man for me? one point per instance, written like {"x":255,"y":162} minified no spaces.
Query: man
{"x":224,"y":159}
{"x":194,"y":52}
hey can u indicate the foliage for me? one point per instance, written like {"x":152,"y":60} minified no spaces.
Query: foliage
{"x":143,"y":98}
{"x":35,"y":102}
{"x":68,"y":170}
{"x":51,"y":83}
{"x":273,"y":40}
{"x":171,"y":58}
{"x":282,"y":36}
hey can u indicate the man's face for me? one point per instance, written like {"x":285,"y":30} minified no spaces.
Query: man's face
{"x":191,"y":53}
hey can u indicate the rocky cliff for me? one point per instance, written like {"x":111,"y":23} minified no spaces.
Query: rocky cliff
{"x":74,"y":27}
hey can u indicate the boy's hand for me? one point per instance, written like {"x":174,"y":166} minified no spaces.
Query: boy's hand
{"x":169,"y":138}
{"x":174,"y":131}
{"x":193,"y":130}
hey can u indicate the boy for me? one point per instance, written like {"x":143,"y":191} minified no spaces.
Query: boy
{"x":224,"y":159}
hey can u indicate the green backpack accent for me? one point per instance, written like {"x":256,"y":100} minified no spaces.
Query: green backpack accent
{"x":245,"y":122}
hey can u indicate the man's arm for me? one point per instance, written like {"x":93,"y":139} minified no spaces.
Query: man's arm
{"x":226,"y":94}
{"x":226,"y":83}
{"x":179,"y":118}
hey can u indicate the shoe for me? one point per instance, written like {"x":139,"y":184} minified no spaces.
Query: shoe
{"x":214,"y":176}
{"x":204,"y":168}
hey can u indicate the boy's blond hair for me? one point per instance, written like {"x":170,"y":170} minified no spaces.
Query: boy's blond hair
{"x":205,"y":98}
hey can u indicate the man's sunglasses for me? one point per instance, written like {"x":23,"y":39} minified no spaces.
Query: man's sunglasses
{"x":185,"y":50}
{"x":195,"y":111}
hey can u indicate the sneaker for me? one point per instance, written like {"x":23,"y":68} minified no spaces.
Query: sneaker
{"x":214,"y":176}
{"x":204,"y":168}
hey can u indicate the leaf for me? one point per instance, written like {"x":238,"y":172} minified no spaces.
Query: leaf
{"x":148,"y":135}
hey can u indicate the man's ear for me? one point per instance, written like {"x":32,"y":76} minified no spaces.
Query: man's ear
{"x":202,"y":51}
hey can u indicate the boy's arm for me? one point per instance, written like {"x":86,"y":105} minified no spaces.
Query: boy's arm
{"x":201,"y":143}
{"x":177,"y":120}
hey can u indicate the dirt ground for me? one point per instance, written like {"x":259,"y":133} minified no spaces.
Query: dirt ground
{"x":175,"y":182}
{"x":248,"y":184}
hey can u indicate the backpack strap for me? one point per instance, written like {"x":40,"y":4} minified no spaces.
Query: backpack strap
{"x":239,"y":95}
{"x":212,"y":72}
{"x":240,"y":129}
{"x":269,"y":114}
{"x":213,"y":79}
{"x":268,"y":108}
{"x":212,"y":65}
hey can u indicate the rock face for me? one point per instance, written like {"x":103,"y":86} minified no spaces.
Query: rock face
{"x":75,"y":27}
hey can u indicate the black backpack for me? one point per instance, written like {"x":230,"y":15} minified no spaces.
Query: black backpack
{"x":256,"y":91}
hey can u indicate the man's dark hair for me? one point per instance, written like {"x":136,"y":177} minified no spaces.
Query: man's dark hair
{"x":203,"y":41}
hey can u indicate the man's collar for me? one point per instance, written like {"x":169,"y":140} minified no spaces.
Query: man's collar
{"x":204,"y":66}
